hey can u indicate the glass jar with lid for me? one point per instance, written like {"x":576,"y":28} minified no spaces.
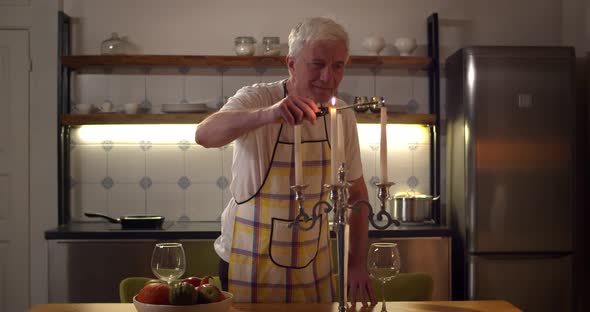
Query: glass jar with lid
{"x":245,"y":45}
{"x":272,"y":45}
{"x":113,"y":45}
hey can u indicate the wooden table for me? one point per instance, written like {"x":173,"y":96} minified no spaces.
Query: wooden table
{"x":422,"y":306}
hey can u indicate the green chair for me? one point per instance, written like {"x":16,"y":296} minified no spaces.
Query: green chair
{"x":201,"y":258}
{"x":404,"y":287}
{"x":130,"y":286}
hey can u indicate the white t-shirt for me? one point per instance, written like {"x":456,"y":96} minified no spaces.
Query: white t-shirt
{"x":253,"y":150}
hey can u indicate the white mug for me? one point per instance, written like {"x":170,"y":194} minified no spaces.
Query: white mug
{"x":82,"y":108}
{"x":130,"y":108}
{"x":106,"y":107}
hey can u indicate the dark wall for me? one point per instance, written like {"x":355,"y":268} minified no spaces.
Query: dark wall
{"x":582,"y":272}
{"x":585,"y":289}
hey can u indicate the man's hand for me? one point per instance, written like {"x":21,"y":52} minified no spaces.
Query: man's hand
{"x":295,"y":109}
{"x":359,"y":285}
{"x":358,"y":277}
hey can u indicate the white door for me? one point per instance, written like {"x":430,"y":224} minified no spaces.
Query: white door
{"x":14,"y":170}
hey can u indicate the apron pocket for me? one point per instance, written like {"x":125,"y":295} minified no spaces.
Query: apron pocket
{"x":292,"y":248}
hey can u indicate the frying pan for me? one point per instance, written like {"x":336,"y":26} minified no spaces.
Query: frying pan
{"x":132,"y":222}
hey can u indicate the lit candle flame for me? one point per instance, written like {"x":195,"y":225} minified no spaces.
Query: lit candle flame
{"x":333,"y":140}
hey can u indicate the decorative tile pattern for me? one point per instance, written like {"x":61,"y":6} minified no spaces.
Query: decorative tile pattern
{"x":204,"y":165}
{"x":107,"y":183}
{"x":88,"y":163}
{"x":126,"y":164}
{"x":145,"y":145}
{"x":203,"y":192}
{"x":184,"y":145}
{"x":184,"y":183}
{"x":107,"y":145}
{"x":412,"y":182}
{"x":204,"y":202}
{"x":167,"y":200}
{"x":145,"y":183}
{"x":126,"y":199}
{"x":166,"y":163}
{"x":222,"y":182}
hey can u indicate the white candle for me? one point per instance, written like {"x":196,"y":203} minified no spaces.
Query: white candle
{"x":340,"y":151}
{"x":383,"y":147}
{"x":297,"y":151}
{"x":334,"y":141}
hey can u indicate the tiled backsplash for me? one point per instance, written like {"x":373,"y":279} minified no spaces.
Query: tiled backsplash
{"x":158,"y":169}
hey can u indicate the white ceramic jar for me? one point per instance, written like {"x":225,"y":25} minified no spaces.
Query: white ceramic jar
{"x":245,"y":46}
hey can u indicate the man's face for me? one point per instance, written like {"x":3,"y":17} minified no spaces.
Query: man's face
{"x":318,"y":69}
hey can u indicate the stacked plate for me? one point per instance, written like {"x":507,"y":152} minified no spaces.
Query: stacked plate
{"x":185,"y":108}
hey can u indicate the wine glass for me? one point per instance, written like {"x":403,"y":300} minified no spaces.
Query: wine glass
{"x":383,"y":264}
{"x":145,"y":105}
{"x":183,"y":70}
{"x":168,"y":261}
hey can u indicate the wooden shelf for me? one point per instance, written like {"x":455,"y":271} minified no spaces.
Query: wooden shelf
{"x":195,"y":118}
{"x":397,"y":118}
{"x":82,"y":61}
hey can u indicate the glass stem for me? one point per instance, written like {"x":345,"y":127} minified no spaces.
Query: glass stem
{"x":383,"y":308}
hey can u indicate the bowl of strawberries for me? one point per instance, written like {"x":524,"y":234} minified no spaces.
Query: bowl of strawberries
{"x":192,"y":294}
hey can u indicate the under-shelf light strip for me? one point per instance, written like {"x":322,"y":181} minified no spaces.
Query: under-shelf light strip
{"x":175,"y":133}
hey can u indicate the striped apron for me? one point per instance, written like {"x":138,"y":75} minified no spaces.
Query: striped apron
{"x":269,"y":261}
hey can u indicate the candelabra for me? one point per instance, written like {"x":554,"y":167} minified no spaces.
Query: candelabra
{"x":339,"y":195}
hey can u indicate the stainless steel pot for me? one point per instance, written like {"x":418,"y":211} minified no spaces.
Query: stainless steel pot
{"x":413,"y":208}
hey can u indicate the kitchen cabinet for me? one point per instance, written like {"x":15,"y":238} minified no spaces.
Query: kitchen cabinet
{"x":73,"y":263}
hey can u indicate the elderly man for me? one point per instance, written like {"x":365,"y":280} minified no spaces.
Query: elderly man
{"x":263,"y":259}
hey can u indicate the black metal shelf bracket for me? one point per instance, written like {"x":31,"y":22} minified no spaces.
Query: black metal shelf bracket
{"x":434,"y":103}
{"x":63,"y":140}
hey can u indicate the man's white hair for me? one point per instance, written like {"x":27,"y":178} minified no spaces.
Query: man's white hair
{"x":314,"y":29}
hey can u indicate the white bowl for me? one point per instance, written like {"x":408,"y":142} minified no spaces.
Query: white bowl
{"x":221,"y":306}
{"x":405,"y":45}
{"x":373,"y":44}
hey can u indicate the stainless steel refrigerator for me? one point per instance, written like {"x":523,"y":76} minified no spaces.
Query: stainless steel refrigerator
{"x":510,"y":174}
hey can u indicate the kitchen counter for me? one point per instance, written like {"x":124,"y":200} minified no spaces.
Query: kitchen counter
{"x":418,"y":306}
{"x":205,"y":230}
{"x":78,"y":249}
